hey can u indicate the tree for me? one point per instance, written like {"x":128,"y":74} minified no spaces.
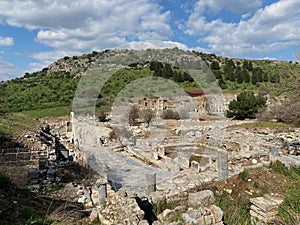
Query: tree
{"x":247,"y":105}
{"x":229,"y":72}
{"x":147,"y":115}
{"x":247,"y":65}
{"x":246,"y":76}
{"x":239,"y":75}
{"x":257,"y":75}
{"x":286,"y":112}
{"x":133,"y":115}
{"x":222,"y":83}
{"x":214,"y":66}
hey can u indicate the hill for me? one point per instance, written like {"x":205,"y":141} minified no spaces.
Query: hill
{"x":54,"y":86}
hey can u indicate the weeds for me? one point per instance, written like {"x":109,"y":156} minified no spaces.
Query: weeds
{"x":236,"y":211}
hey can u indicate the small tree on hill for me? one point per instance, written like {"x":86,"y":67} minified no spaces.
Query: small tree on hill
{"x":147,"y":115}
{"x":247,"y":105}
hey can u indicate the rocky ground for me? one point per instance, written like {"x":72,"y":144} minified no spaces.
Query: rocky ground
{"x":182,"y":197}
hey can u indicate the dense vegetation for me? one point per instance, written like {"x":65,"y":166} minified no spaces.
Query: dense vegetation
{"x":37,"y":92}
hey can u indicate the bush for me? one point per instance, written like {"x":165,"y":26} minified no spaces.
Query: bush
{"x":5,"y":181}
{"x":289,"y":210}
{"x":102,"y":116}
{"x":288,"y":112}
{"x":133,"y":115}
{"x":147,"y":115}
{"x":170,"y":114}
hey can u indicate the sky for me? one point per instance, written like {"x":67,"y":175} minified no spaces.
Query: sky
{"x":35,"y":33}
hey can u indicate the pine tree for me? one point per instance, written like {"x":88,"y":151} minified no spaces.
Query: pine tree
{"x":239,"y":75}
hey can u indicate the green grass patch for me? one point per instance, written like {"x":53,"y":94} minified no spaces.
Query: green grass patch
{"x":50,"y":112}
{"x":16,"y":124}
{"x":236,"y":211}
{"x":279,"y":167}
{"x":261,"y":124}
{"x":289,"y":210}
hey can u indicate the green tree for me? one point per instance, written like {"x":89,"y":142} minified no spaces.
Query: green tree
{"x":214,"y":65}
{"x":246,"y":76}
{"x":247,"y":105}
{"x":257,"y":75}
{"x":247,"y":65}
{"x":222,"y":83}
{"x":239,"y":75}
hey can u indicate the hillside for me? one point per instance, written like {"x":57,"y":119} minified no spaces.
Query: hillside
{"x":55,"y":85}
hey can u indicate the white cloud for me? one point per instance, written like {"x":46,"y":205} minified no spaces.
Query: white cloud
{"x":6,"y":41}
{"x":65,"y":23}
{"x":8,"y":71}
{"x":269,"y":29}
{"x":236,"y":6}
{"x":153,"y":44}
{"x":83,"y":26}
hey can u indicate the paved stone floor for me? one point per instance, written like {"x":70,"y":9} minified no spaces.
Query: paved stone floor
{"x":122,"y":170}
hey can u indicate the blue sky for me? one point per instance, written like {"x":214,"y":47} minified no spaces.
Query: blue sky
{"x":34,"y":34}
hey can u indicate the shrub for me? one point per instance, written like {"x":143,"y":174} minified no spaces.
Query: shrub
{"x":288,"y":112}
{"x":170,"y":114}
{"x":133,"y":115}
{"x":147,"y":115}
{"x":5,"y":181}
{"x":102,"y":116}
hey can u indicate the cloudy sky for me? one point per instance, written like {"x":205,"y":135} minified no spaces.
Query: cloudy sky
{"x":35,"y":33}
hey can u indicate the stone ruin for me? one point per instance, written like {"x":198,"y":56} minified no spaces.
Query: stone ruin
{"x":158,"y":167}
{"x":264,"y":209}
{"x":190,"y":156}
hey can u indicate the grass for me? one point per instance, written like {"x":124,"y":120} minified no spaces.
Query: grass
{"x":237,"y":210}
{"x":50,"y":112}
{"x":276,"y":179}
{"x":289,"y":210}
{"x":261,"y":124}
{"x":16,"y":124}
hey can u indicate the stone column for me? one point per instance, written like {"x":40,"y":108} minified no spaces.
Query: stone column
{"x":150,"y":182}
{"x":102,"y":193}
{"x":222,"y":165}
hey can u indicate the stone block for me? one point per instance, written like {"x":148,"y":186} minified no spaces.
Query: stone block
{"x":264,"y":204}
{"x":102,"y":193}
{"x":183,"y":160}
{"x":222,"y":165}
{"x":150,"y":182}
{"x":175,"y":167}
{"x":201,"y":198}
{"x":217,"y":212}
{"x":155,"y":155}
{"x":161,"y":151}
{"x":195,"y":166}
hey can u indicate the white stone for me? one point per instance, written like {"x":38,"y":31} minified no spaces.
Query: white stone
{"x":254,"y":161}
